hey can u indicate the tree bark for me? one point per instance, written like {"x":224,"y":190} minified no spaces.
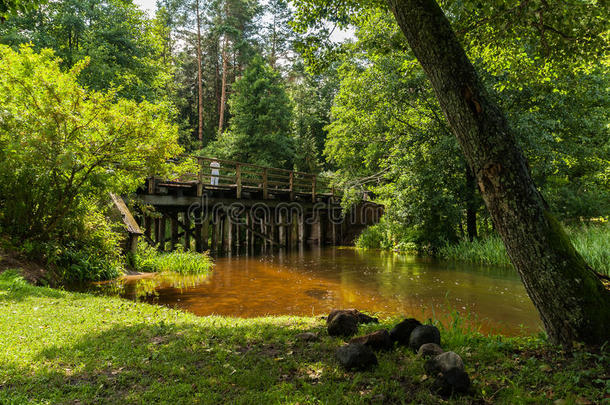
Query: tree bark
{"x":223,"y":88}
{"x":199,"y":79}
{"x":471,"y":206}
{"x":572,"y":302}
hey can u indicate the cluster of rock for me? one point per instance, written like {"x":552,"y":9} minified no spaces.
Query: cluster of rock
{"x":446,"y":367}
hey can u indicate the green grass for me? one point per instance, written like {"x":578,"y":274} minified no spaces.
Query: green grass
{"x":592,"y":242}
{"x":61,"y":347}
{"x":147,"y":259}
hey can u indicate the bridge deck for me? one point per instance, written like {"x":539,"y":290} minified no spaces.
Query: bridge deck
{"x":239,"y":180}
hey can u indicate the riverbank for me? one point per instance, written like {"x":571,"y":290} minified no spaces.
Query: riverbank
{"x":591,"y":242}
{"x":62,"y":347}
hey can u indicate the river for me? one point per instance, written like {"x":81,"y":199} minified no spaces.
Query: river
{"x":314,"y":281}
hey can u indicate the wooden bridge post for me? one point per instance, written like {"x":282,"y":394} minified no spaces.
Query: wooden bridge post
{"x":294,"y":233}
{"x":200,"y":177}
{"x":161,"y":233}
{"x":174,"y":230}
{"x":248,"y":233}
{"x":322,"y":229}
{"x":313,"y":189}
{"x":238,"y":179}
{"x":148,"y":224}
{"x":291,"y":185}
{"x":263,"y":241}
{"x":187,"y":231}
{"x":281,"y":231}
{"x":216,"y":226}
{"x":227,"y":234}
{"x":301,"y":228}
{"x":205,"y":231}
{"x":265,"y":185}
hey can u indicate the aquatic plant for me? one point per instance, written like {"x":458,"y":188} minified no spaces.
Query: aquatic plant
{"x":591,"y":241}
{"x":147,"y":259}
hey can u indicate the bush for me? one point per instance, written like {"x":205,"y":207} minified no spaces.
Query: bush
{"x":63,"y":149}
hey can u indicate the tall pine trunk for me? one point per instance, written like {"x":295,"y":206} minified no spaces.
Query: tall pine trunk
{"x":223,"y":86}
{"x":571,"y":300}
{"x":199,"y":79}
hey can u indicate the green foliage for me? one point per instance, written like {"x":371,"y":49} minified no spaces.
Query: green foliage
{"x":312,"y":97}
{"x":62,"y":150}
{"x":10,"y":7}
{"x":60,"y":347}
{"x":394,"y":235}
{"x":591,"y":241}
{"x":389,"y":136}
{"x":122,"y":48}
{"x":260,"y":127}
{"x":148,"y":259}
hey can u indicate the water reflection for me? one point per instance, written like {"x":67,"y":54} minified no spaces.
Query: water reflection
{"x":311,"y":282}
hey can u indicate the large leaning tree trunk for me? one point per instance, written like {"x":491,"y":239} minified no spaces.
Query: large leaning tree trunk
{"x":571,"y":300}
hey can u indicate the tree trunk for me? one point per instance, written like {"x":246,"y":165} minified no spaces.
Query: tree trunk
{"x":199,"y":83}
{"x":223,"y":86}
{"x":471,"y":206}
{"x":571,"y":300}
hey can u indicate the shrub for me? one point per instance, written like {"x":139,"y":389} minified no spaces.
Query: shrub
{"x":63,"y":148}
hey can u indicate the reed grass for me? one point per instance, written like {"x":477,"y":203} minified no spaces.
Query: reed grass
{"x":147,"y":259}
{"x":591,"y":241}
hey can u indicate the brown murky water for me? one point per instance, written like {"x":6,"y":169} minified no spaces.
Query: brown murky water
{"x":312,"y":282}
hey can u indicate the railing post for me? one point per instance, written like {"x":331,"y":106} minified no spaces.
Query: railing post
{"x":290,"y":185}
{"x":238,"y":179}
{"x":313,"y":189}
{"x":200,"y":178}
{"x":265,"y":191}
{"x":151,"y":185}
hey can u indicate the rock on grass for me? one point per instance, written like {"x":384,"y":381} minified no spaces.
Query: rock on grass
{"x":356,"y":356}
{"x":343,"y":324}
{"x":402,"y":331}
{"x":423,"y":334}
{"x":378,"y":340}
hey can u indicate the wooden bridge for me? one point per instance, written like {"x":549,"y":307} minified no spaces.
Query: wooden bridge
{"x":229,"y":205}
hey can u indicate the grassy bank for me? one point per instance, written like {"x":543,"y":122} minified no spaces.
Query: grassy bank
{"x":61,"y":347}
{"x":593,"y":243}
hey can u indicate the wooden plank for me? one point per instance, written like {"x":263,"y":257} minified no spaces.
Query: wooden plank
{"x":128,"y":220}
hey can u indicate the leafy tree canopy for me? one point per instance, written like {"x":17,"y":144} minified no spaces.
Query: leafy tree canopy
{"x":64,"y":148}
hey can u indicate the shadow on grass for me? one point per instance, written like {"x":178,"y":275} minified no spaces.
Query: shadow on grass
{"x":163,"y":363}
{"x":14,"y":288}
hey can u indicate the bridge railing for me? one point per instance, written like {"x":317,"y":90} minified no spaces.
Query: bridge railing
{"x":249,"y":177}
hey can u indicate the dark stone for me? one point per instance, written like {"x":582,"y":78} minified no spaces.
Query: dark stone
{"x":360,"y":317}
{"x":451,"y":382}
{"x":365,"y":319}
{"x":443,"y":363}
{"x":356,"y":356}
{"x":378,"y":340}
{"x":423,"y":334}
{"x":429,"y":350}
{"x":343,"y":325}
{"x":401,"y":332}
